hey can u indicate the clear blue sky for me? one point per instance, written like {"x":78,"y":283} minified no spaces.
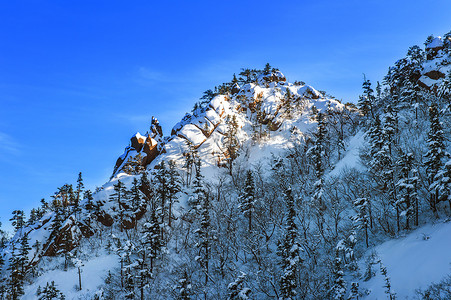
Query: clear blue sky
{"x":78,"y":78}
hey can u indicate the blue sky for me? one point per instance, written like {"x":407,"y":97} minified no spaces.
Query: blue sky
{"x":78,"y":78}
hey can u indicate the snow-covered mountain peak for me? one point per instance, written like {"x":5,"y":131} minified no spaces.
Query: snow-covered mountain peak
{"x":267,"y":106}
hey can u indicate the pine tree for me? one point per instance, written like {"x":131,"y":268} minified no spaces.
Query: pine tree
{"x":89,"y":205}
{"x":231,"y":141}
{"x":162,"y":188}
{"x":203,"y":237}
{"x":79,"y":189}
{"x":184,"y":287}
{"x":317,"y":153}
{"x":339,"y":288}
{"x":120,"y":196}
{"x":18,"y":219}
{"x":289,"y":251}
{"x":135,"y":201}
{"x":444,"y":183}
{"x":247,"y":199}
{"x":173,"y":188}
{"x":366,"y":101}
{"x":354,"y":294}
{"x":388,"y":290}
{"x":407,"y":185}
{"x":435,"y":155}
{"x":24,"y":249}
{"x":199,"y":191}
{"x":189,"y":162}
{"x":49,"y":292}
{"x":16,"y":278}
{"x":236,"y":289}
{"x":151,"y":238}
{"x":362,"y":219}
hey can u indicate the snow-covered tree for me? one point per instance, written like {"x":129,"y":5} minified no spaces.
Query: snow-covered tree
{"x":247,"y":198}
{"x":362,"y":219}
{"x":184,"y":288}
{"x":317,"y":153}
{"x":435,"y":155}
{"x":338,"y":291}
{"x":366,"y":101}
{"x":203,"y":243}
{"x":237,"y":290}
{"x":289,"y":251}
{"x":49,"y":292}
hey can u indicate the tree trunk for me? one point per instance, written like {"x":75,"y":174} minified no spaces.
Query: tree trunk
{"x":79,"y":278}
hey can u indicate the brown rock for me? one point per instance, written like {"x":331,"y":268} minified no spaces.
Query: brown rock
{"x":435,"y":74}
{"x":151,"y":150}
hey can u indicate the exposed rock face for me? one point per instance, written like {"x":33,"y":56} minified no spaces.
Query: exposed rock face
{"x":437,"y":64}
{"x":435,"y":74}
{"x":67,"y":239}
{"x":147,"y":146}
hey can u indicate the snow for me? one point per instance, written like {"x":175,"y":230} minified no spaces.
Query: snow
{"x":218,"y":104}
{"x":308,"y":91}
{"x":213,"y":116}
{"x":414,"y":261}
{"x":351,"y":158}
{"x":92,"y":276}
{"x":436,"y":43}
{"x":139,"y":136}
{"x":193,"y":134}
{"x":428,"y":81}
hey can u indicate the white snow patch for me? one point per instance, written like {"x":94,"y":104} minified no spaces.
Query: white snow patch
{"x":351,"y":158}
{"x":415,"y":261}
{"x":92,"y":276}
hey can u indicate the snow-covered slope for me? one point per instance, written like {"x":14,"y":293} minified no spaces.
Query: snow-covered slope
{"x":413,"y":262}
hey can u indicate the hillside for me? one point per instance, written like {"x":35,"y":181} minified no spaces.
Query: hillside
{"x":267,"y":189}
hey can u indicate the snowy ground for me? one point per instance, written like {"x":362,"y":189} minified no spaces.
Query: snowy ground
{"x":93,"y":273}
{"x":414,"y":261}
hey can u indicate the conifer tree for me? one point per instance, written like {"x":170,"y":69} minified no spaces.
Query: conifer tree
{"x":247,"y":199}
{"x":120,"y":196}
{"x":362,"y":218}
{"x":184,"y":287}
{"x":366,"y":101}
{"x":407,"y":185}
{"x":354,"y":293}
{"x":339,"y":288}
{"x":79,"y":189}
{"x":24,"y":249}
{"x":189,"y":162}
{"x":317,"y":153}
{"x":16,"y":278}
{"x":49,"y":292}
{"x":173,"y":188}
{"x":89,"y":205}
{"x":444,"y":183}
{"x":289,"y":251}
{"x":151,"y":238}
{"x":388,"y":290}
{"x":203,"y":237}
{"x":162,"y":188}
{"x":236,"y":289}
{"x":18,"y":219}
{"x":231,"y":141}
{"x":435,"y":155}
{"x":135,"y":201}
{"x":199,"y":191}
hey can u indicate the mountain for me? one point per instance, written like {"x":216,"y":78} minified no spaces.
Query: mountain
{"x":267,"y":189}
